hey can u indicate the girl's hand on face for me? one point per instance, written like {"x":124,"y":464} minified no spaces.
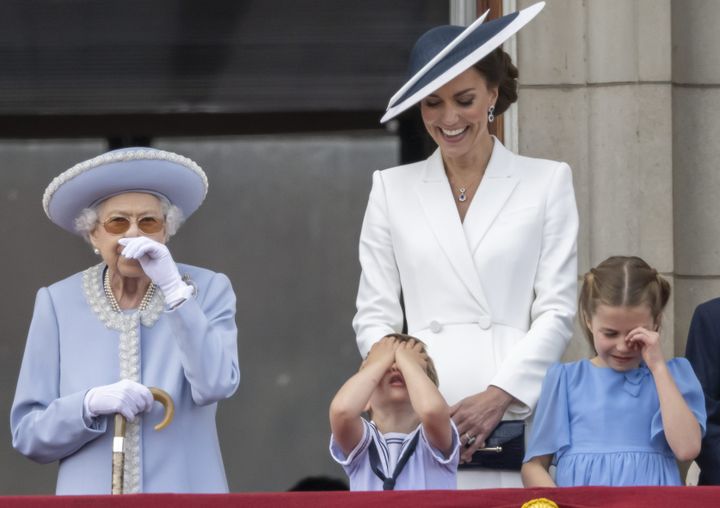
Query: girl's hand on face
{"x":648,"y":343}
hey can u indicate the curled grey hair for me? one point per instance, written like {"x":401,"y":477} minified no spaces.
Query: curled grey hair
{"x":87,"y":220}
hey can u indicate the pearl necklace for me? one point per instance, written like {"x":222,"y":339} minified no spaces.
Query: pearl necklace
{"x":114,"y":303}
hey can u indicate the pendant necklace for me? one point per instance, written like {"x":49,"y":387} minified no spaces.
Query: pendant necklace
{"x":463,"y":190}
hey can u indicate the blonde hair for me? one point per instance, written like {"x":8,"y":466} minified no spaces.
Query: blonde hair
{"x":622,"y":281}
{"x":430,"y":367}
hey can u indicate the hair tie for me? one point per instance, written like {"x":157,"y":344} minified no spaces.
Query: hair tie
{"x":590,"y":276}
{"x":658,"y":277}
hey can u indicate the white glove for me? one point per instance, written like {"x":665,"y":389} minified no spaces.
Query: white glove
{"x":125,"y":397}
{"x":158,"y":264}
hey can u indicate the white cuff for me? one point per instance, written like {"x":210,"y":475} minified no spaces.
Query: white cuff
{"x":88,"y":415}
{"x":181,"y":293}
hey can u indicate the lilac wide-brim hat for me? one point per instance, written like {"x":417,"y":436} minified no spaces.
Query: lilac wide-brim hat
{"x":137,"y":169}
{"x":444,"y":52}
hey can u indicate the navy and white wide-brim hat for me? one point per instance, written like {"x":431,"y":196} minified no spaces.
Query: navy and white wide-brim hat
{"x":444,"y":52}
{"x":138,"y":169}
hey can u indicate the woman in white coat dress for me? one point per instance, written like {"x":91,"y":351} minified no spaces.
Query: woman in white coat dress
{"x":477,"y":242}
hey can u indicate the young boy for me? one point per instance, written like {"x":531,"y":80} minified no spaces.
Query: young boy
{"x":411,"y":443}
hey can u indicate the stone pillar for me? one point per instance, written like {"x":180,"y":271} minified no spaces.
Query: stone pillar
{"x":595,"y":92}
{"x":696,"y":152}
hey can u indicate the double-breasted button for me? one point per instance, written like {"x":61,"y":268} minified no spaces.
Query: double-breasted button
{"x":435,"y":327}
{"x":484,"y":322}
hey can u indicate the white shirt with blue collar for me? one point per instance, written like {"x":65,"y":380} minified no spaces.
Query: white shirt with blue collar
{"x":426,"y":469}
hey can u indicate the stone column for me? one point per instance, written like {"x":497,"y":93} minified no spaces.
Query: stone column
{"x":595,"y":92}
{"x":696,"y":155}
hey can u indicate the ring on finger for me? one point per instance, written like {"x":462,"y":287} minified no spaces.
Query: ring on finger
{"x":469,"y":439}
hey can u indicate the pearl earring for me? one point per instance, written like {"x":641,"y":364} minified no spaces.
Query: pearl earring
{"x":96,"y":251}
{"x":491,"y":113}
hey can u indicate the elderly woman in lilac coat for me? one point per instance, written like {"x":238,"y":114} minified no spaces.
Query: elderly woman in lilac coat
{"x":99,"y":338}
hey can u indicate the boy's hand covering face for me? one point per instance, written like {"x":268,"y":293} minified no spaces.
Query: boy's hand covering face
{"x":411,"y":351}
{"x":382,"y":352}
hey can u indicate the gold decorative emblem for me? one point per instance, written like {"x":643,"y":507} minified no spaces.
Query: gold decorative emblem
{"x":540,"y":502}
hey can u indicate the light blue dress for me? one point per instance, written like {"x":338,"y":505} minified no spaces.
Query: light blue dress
{"x":604,"y":427}
{"x":190,"y":352}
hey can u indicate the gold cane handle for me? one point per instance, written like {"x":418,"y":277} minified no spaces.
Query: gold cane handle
{"x":164,"y":398}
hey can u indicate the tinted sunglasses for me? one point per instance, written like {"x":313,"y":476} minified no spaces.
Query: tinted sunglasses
{"x":119,"y":225}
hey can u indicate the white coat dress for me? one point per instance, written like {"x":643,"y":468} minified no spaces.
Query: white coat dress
{"x":493,"y":296}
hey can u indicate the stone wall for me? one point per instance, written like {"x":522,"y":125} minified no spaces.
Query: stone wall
{"x":596,"y":93}
{"x":696,"y":152}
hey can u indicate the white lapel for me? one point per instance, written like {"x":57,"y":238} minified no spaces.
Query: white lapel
{"x":492,"y":194}
{"x":439,"y":206}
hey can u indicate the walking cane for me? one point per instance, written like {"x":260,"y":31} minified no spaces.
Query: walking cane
{"x":118,"y":460}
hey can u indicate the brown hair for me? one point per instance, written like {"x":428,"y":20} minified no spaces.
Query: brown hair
{"x":430,"y":367}
{"x":498,"y":70}
{"x":626,"y":281}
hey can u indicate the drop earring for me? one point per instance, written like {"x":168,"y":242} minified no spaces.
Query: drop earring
{"x":491,"y":114}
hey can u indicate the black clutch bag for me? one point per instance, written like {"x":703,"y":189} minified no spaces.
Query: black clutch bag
{"x":504,"y":448}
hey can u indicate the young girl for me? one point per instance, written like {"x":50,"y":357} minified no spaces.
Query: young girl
{"x":626,"y":415}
